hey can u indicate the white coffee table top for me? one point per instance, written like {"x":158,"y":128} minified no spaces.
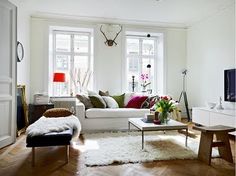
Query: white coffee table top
{"x":171,"y":125}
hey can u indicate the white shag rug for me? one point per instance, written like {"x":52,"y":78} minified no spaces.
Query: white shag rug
{"x":108,"y":148}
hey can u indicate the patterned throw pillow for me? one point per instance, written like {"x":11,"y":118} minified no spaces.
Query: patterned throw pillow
{"x":111,"y":102}
{"x":136,"y":102}
{"x":119,"y":99}
{"x":85,"y":100}
{"x":57,"y":112}
{"x":149,"y":102}
{"x":97,"y":101}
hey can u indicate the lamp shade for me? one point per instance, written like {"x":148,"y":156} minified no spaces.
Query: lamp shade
{"x":59,"y":77}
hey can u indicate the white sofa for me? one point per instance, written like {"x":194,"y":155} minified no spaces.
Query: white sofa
{"x":98,"y":119}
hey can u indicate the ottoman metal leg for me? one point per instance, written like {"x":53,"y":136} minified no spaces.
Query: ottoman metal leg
{"x":67,"y":153}
{"x":33,"y":156}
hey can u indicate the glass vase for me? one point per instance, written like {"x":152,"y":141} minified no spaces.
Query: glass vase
{"x":164,"y":117}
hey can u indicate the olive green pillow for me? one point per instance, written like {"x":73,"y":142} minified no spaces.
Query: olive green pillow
{"x":97,"y":101}
{"x":119,"y":99}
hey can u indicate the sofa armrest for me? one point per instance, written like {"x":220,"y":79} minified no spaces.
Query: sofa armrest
{"x":80,"y":111}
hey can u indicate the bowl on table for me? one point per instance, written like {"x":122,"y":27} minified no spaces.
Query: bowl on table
{"x":211,"y":105}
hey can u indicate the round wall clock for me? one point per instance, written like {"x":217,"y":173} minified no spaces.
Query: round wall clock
{"x":20,"y":51}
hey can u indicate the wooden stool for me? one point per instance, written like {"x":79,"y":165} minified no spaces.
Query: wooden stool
{"x":206,"y":142}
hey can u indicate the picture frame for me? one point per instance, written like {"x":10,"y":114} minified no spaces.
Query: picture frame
{"x":22,"y":110}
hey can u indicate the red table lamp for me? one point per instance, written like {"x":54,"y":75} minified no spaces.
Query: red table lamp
{"x":59,"y":77}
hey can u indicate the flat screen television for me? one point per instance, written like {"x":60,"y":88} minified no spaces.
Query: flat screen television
{"x":229,"y":85}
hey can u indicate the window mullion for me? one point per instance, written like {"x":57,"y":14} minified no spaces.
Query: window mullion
{"x":54,"y":58}
{"x":89,"y":51}
{"x":155,"y":61}
{"x":72,"y":60}
{"x":140,"y":57}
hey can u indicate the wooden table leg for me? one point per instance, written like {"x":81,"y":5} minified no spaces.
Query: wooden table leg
{"x":205,"y":147}
{"x":186,"y":141}
{"x":225,"y":150}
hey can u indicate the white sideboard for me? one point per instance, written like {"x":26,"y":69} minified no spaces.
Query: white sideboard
{"x":210,"y":117}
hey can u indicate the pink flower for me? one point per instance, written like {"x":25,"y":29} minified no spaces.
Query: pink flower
{"x":166,"y":98}
{"x":142,"y":76}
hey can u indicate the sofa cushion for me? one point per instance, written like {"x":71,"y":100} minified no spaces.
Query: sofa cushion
{"x":136,"y":102}
{"x":91,"y":93}
{"x":85,"y":100}
{"x":102,"y":93}
{"x":97,"y":101}
{"x":110,"y":102}
{"x":128,"y":96}
{"x":119,"y":99}
{"x":150,"y":101}
{"x":116,"y":112}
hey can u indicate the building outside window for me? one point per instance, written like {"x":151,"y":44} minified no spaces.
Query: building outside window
{"x":72,"y":55}
{"x":141,"y":56}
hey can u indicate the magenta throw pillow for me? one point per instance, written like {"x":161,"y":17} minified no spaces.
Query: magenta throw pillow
{"x":136,"y":102}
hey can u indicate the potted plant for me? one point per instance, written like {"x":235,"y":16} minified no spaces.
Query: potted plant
{"x":144,"y":84}
{"x":164,"y":107}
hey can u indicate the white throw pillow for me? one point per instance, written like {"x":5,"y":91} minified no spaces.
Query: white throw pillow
{"x":111,"y":102}
{"x":91,"y":93}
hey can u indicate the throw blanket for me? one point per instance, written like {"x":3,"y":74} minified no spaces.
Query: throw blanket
{"x":46,"y":125}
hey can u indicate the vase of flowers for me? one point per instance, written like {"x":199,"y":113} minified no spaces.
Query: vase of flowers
{"x":165,"y":106}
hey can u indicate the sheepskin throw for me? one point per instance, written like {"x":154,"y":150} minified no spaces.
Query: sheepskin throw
{"x":46,"y":125}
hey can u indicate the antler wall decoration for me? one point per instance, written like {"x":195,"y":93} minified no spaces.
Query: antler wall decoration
{"x":110,"y":42}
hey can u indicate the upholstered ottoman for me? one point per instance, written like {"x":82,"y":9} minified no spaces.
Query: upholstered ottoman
{"x":55,"y":128}
{"x":50,"y":139}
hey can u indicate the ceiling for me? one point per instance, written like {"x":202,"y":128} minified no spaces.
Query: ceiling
{"x":181,"y":13}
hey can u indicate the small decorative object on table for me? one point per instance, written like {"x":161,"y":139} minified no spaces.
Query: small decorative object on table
{"x":149,"y":118}
{"x":220,"y":107}
{"x":165,"y":106}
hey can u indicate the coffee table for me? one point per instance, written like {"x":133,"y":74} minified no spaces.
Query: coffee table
{"x":171,"y":125}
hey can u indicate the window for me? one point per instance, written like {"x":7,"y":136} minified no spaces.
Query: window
{"x":141,"y":59}
{"x":71,"y":55}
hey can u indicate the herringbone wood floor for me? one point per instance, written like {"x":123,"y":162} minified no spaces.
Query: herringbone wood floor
{"x":16,"y":160}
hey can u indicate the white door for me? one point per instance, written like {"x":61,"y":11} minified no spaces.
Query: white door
{"x":7,"y":73}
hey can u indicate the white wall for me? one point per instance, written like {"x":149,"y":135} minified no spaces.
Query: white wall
{"x":107,"y":60}
{"x":210,"y":50}
{"x":176,"y":61}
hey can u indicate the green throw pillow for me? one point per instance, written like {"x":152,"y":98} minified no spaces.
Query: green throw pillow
{"x":119,"y":99}
{"x":97,"y":101}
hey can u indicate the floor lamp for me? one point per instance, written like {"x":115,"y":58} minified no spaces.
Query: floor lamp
{"x":59,"y":77}
{"x":184,"y":94}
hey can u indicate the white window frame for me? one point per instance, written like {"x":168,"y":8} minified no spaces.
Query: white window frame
{"x":71,"y":53}
{"x":140,"y":56}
